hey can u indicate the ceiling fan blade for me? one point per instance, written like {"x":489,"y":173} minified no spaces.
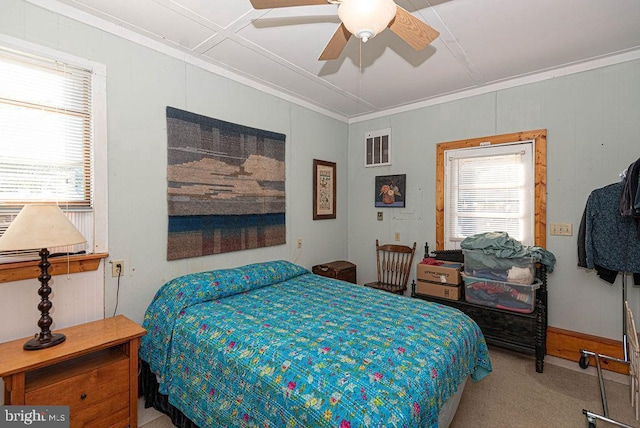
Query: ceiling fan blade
{"x":416,"y":33}
{"x":273,"y":4}
{"x":336,"y":44}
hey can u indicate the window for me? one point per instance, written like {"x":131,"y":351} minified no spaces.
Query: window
{"x":377,"y":148}
{"x":489,"y":189}
{"x":47,"y":117}
{"x":492,"y":184}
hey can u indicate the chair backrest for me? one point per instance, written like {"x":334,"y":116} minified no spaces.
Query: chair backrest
{"x":394,"y":263}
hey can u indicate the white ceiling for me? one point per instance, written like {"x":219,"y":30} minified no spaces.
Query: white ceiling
{"x":482,"y":44}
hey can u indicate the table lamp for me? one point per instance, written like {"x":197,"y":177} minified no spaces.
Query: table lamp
{"x":38,"y":227}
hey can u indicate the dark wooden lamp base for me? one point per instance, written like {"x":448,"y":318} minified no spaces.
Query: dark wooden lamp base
{"x":45,"y":339}
{"x":35,"y":343}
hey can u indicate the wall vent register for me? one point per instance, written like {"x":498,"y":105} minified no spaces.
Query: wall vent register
{"x":377,"y":147}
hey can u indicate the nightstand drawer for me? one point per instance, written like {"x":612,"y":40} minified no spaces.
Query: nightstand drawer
{"x":97,"y":394}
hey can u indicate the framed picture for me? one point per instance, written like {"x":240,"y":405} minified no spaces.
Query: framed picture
{"x":390,"y":191}
{"x":324,"y":190}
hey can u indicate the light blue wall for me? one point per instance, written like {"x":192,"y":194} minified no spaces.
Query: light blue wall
{"x":593,"y":130}
{"x":591,"y":118}
{"x":141,"y":82}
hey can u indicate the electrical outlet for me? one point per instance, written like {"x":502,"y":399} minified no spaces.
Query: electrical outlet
{"x":561,"y":229}
{"x":397,"y":236}
{"x":115,"y":270}
{"x":299,"y":242}
{"x":379,"y":215}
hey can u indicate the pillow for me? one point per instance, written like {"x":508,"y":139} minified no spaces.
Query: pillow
{"x":216,"y":284}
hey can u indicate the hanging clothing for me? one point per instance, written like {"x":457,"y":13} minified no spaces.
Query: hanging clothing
{"x":630,"y":197}
{"x":608,"y":241}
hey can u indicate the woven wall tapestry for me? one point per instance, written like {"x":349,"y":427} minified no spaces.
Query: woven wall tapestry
{"x":225,"y":186}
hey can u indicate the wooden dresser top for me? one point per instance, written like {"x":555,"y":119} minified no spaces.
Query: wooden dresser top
{"x":81,"y":339}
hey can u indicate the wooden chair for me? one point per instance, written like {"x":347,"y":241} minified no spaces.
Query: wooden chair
{"x":394,"y":267}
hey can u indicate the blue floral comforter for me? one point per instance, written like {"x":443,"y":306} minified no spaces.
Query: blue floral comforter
{"x":272,"y":345}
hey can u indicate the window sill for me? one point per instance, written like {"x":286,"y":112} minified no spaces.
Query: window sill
{"x":10,"y":272}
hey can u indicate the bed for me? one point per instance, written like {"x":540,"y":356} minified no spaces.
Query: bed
{"x":273,"y":345}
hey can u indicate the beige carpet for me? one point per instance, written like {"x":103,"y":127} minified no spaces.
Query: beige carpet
{"x":515,"y":396}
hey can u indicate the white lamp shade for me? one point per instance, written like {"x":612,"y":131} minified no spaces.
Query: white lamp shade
{"x":366,"y":18}
{"x":40,"y":226}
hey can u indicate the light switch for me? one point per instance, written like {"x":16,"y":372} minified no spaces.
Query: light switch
{"x":561,"y":229}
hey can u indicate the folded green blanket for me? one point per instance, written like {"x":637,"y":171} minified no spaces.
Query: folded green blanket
{"x":501,"y":245}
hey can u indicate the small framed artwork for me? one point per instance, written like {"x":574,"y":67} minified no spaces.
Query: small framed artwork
{"x":324,"y":190}
{"x":390,"y":191}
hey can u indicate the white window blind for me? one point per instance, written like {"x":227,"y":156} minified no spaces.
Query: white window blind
{"x":490,"y":188}
{"x":46,"y":137}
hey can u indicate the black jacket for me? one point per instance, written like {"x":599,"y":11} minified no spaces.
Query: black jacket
{"x":630,"y":197}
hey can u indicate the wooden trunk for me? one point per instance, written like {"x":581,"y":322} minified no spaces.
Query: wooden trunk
{"x":342,"y":270}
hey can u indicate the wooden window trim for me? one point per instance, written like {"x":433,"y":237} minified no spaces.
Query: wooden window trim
{"x":540,"y":138}
{"x":10,"y":272}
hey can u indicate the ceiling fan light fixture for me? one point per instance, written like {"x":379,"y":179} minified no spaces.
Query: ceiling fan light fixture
{"x":366,"y":18}
{"x":365,"y":35}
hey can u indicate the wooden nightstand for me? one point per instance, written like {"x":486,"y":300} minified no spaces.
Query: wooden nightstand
{"x":94,"y":372}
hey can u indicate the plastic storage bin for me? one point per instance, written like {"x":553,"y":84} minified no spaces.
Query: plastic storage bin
{"x":501,"y":295}
{"x":520,"y":270}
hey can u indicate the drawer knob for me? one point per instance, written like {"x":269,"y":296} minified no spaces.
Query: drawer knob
{"x":83,"y":396}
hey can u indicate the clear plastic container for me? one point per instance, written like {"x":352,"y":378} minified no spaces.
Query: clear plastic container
{"x":500,"y":294}
{"x":520,"y":270}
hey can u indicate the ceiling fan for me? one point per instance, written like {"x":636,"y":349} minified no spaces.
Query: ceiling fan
{"x":364,"y":19}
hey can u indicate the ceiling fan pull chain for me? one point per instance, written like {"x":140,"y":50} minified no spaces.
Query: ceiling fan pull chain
{"x":360,"y":74}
